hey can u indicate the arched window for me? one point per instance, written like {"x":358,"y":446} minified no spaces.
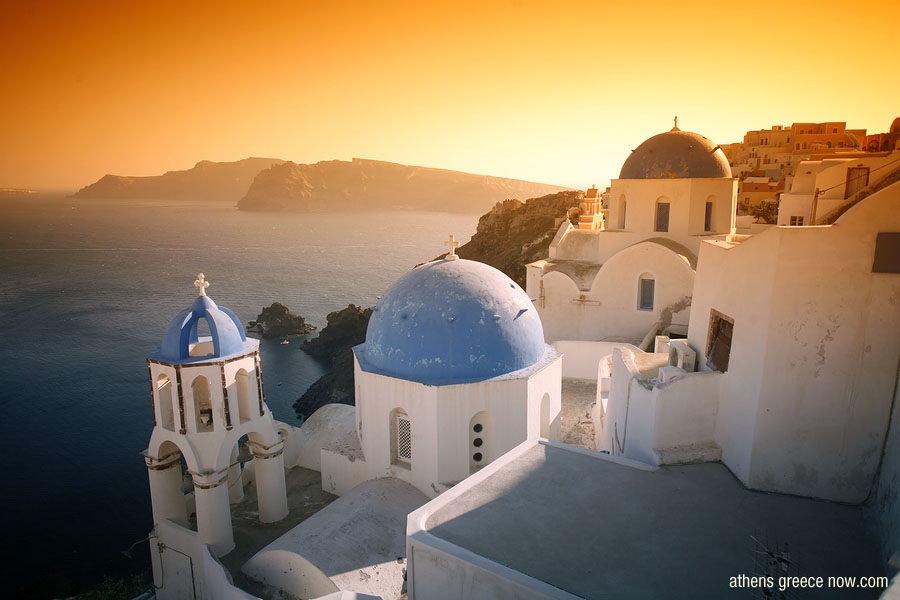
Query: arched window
{"x":164,"y":401}
{"x":245,"y":402}
{"x":662,"y":214}
{"x":203,"y":413}
{"x":481,"y":428}
{"x":401,"y":438}
{"x":646,"y":292}
{"x":622,"y":206}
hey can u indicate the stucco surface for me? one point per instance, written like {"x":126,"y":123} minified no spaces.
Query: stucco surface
{"x":617,"y":531}
{"x":358,"y":541}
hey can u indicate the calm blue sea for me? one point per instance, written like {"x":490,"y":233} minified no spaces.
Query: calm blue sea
{"x":87,"y":288}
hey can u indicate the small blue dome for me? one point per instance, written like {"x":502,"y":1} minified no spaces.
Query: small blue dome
{"x":227,"y":333}
{"x":453,"y":320}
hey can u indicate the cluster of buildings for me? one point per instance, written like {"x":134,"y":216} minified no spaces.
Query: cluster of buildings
{"x":767,"y":160}
{"x":680,"y":401}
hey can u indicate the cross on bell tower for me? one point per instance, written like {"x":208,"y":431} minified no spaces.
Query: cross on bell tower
{"x":453,"y":245}
{"x":201,"y":283}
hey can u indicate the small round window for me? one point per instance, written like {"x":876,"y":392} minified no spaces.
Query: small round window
{"x":477,"y":428}
{"x":477,"y":457}
{"x":477,"y":442}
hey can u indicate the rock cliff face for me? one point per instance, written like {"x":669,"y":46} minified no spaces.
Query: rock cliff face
{"x":374,"y":185}
{"x":511,"y":235}
{"x":345,"y":329}
{"x":225,"y":181}
{"x":514,"y":233}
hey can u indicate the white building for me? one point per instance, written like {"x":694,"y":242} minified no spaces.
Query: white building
{"x":823,"y":187}
{"x":454,"y":372}
{"x":795,"y":337}
{"x":674,"y":191}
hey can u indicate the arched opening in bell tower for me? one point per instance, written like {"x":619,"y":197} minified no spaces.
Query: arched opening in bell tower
{"x":203,"y":412}
{"x":164,"y":399}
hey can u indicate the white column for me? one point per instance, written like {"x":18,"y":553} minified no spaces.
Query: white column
{"x":271,"y":491}
{"x":235,"y":480}
{"x":214,"y":512}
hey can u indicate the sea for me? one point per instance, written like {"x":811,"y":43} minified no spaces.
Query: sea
{"x":87,"y":288}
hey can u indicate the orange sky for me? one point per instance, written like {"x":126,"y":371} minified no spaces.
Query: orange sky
{"x":557,"y":92}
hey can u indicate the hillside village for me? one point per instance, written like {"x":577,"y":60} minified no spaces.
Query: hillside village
{"x":681,"y":402}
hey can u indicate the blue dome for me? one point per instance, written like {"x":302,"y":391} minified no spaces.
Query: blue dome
{"x":227,"y":333}
{"x":453,"y":320}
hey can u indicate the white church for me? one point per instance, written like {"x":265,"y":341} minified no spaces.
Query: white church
{"x":744,"y":418}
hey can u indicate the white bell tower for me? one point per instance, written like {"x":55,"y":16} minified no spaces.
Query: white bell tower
{"x":207,"y":394}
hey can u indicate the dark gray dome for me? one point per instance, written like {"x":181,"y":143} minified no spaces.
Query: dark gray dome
{"x":676,"y":154}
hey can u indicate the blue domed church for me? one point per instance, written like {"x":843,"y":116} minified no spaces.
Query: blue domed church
{"x":454,"y":372}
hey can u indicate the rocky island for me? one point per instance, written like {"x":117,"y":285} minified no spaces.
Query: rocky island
{"x":508,"y":237}
{"x":362,"y":184}
{"x":276,"y":321}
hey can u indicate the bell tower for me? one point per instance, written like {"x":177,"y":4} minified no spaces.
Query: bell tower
{"x":207,"y":395}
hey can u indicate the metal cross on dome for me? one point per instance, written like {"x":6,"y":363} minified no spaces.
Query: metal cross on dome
{"x":453,"y":245}
{"x":201,"y":283}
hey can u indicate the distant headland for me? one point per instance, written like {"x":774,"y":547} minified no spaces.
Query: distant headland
{"x":371,"y":184}
{"x":268,"y":184}
{"x":224,"y":181}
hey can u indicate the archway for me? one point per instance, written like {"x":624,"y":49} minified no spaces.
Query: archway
{"x":245,"y":399}
{"x":545,"y":416}
{"x":164,"y":399}
{"x":168,"y":486}
{"x":621,"y":212}
{"x":203,"y":412}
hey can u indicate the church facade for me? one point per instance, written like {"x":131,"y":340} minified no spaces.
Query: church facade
{"x":674,"y":191}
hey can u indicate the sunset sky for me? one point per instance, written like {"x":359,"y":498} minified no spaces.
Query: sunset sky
{"x":556,"y":92}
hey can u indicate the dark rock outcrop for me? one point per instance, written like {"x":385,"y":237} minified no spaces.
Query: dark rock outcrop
{"x":514,"y":233}
{"x":224,"y":181}
{"x":346,"y":328}
{"x":276,"y":321}
{"x":376,"y":185}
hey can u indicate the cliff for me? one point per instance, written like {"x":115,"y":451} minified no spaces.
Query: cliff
{"x":374,"y":185}
{"x":511,"y":235}
{"x":224,"y":181}
{"x":515,"y":233}
{"x":345,"y":329}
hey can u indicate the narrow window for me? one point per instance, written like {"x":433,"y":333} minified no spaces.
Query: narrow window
{"x":707,"y":218}
{"x":718,"y":344}
{"x":646,"y":294}
{"x":622,"y":206}
{"x":662,"y":216}
{"x":401,"y":438}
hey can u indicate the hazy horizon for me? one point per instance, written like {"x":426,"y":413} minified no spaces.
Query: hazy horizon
{"x":556,"y":94}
